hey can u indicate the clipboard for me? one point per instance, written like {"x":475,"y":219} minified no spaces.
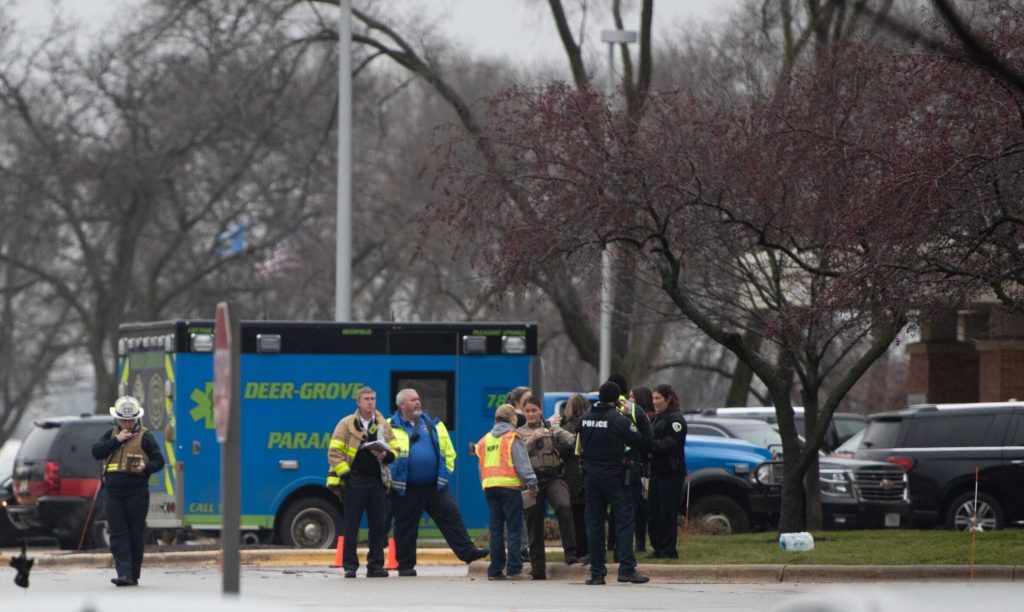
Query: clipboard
{"x":529,"y":500}
{"x":375,"y":445}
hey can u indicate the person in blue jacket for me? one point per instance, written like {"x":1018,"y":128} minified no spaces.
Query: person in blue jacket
{"x":419,"y":482}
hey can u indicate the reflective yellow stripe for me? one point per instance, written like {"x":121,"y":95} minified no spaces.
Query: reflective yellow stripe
{"x":446,"y":447}
{"x":112,"y":467}
{"x":343,"y":448}
{"x":172,"y":423}
{"x":333,"y":481}
{"x":341,"y":468}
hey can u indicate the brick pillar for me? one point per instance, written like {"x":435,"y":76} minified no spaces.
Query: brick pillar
{"x":942,"y":372}
{"x":1002,"y":370}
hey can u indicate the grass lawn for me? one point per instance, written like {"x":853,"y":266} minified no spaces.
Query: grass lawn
{"x":871,"y":547}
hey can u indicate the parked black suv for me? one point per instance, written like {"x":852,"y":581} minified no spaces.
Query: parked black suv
{"x":855,"y":494}
{"x":55,"y":480}
{"x":941,"y":447}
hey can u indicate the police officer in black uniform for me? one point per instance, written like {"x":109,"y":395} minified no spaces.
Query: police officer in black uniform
{"x":668,"y":472}
{"x":603,"y":437}
{"x":130,"y":455}
{"x":637,"y":462}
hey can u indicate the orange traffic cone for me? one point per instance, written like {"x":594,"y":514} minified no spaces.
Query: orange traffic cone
{"x":391,"y":563}
{"x":337,"y":553}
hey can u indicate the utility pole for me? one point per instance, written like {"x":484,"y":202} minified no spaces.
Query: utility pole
{"x":612,"y":37}
{"x":343,"y":229}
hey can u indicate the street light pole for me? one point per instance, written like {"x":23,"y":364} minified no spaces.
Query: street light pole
{"x":612,"y":37}
{"x":343,"y":227}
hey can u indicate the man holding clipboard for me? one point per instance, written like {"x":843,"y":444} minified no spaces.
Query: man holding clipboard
{"x":361,"y":447}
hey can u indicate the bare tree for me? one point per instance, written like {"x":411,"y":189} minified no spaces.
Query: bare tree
{"x":147,"y":156}
{"x":966,"y":191}
{"x":735,"y":211}
{"x":568,"y":292}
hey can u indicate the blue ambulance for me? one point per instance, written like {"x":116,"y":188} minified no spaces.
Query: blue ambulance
{"x":298,"y":379}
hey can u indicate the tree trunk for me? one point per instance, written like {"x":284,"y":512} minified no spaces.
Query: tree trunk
{"x":812,"y":493}
{"x":812,"y":416}
{"x":793,"y":517}
{"x":742,"y":376}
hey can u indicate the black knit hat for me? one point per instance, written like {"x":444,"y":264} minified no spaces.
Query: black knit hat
{"x":608,"y":393}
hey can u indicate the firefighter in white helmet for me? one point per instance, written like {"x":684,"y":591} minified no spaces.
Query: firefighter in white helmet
{"x":130,"y":455}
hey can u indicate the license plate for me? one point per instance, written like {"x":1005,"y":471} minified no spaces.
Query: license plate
{"x":892,"y":519}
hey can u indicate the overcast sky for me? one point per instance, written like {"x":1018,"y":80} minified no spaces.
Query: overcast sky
{"x":521,"y":30}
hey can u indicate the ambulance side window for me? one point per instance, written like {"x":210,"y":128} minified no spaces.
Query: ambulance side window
{"x":436,"y":389}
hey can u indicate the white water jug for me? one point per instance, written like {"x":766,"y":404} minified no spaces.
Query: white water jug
{"x":796,"y":542}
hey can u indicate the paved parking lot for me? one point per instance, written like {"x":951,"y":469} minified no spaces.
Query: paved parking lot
{"x":306,"y":588}
{"x":451,"y":587}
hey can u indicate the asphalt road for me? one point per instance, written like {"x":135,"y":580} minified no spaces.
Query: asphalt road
{"x":308,"y":588}
{"x":449,"y":587}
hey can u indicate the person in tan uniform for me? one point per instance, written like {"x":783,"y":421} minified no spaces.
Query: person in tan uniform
{"x":546,"y":443}
{"x":361,"y":447}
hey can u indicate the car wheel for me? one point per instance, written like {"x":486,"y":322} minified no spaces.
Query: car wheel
{"x":720,"y":515}
{"x":309,"y":522}
{"x":960,"y":515}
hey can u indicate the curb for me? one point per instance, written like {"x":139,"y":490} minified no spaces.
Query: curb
{"x":748,"y":574}
{"x":289,"y":557}
{"x":692,"y":574}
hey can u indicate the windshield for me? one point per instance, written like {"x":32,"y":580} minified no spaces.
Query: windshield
{"x":7,"y":453}
{"x":758,"y":433}
{"x":850,"y":445}
{"x":37,"y":443}
{"x":847,"y":427}
{"x":881,"y":433}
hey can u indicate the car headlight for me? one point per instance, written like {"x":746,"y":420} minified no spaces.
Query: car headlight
{"x":836,"y":483}
{"x":768,"y":474}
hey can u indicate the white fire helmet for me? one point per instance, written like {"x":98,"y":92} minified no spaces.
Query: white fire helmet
{"x":127,"y":407}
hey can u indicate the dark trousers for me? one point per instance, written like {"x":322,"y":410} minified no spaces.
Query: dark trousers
{"x":579,"y":523}
{"x":640,"y":514}
{"x":663,"y":502}
{"x":439,"y":506}
{"x":364,"y":493}
{"x":556,"y":493}
{"x":126,"y":510}
{"x":505,"y":511}
{"x":602,"y":491}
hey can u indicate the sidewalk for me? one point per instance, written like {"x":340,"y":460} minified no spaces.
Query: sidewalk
{"x":696,"y":574}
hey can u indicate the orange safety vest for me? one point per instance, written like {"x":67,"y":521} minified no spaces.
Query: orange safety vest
{"x":496,"y":467}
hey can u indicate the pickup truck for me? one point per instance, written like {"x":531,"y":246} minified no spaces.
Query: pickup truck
{"x":719,"y":484}
{"x":719,"y":470}
{"x":854,"y":494}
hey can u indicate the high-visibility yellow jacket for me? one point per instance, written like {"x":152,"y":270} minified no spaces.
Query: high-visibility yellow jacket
{"x":348,"y":436}
{"x":441,"y":442}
